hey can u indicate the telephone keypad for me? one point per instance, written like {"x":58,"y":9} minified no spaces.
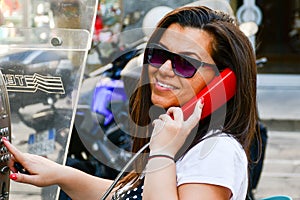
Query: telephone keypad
{"x":4,"y":169}
{"x":5,"y":131}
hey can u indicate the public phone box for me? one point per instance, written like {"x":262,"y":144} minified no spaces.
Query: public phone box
{"x":5,"y":131}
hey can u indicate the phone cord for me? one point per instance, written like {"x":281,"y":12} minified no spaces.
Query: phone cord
{"x":129,"y":163}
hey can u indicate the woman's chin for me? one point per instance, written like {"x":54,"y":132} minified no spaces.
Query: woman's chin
{"x":164,"y":103}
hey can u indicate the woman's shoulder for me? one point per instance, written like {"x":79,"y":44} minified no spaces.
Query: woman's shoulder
{"x":217,"y":160}
{"x":217,"y":146}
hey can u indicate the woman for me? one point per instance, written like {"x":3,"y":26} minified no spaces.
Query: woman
{"x":186,"y":159}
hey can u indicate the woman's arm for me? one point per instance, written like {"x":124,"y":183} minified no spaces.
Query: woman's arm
{"x":160,"y":184}
{"x":79,"y":185}
{"x":160,"y":180}
{"x":168,"y":136}
{"x":203,"y":191}
{"x":44,"y":172}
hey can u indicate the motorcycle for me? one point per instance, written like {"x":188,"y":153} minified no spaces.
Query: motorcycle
{"x":100,"y":141}
{"x":38,"y":110}
{"x":40,"y":85}
{"x":15,"y":65}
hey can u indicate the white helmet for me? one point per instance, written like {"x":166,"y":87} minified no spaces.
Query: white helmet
{"x":152,"y":17}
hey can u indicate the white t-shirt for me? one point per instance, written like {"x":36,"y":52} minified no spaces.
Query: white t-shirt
{"x":218,"y":160}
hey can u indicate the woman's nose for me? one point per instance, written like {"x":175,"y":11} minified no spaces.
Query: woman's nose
{"x":166,"y":69}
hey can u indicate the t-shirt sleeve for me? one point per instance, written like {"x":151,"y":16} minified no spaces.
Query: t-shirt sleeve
{"x":216,"y":160}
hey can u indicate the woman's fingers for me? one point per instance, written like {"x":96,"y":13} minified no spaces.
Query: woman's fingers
{"x":17,"y":158}
{"x":170,"y":130}
{"x":18,"y":177}
{"x":13,"y":150}
{"x":11,"y":164}
{"x":195,"y":117}
{"x":176,"y":113}
{"x":24,"y":178}
{"x":158,"y":126}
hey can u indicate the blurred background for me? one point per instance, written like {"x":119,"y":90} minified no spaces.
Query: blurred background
{"x":117,"y":31}
{"x":277,"y":39}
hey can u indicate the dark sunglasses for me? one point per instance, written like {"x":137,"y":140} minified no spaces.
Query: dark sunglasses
{"x":182,"y":65}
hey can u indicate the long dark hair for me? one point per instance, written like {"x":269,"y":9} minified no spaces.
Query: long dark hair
{"x":230,"y":49}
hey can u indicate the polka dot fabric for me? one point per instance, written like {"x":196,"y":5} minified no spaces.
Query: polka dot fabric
{"x":134,"y":194}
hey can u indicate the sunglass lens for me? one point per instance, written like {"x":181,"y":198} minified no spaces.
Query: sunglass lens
{"x":182,"y":67}
{"x":156,"y":57}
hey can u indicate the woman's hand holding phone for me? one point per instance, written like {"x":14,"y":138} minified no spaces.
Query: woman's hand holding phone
{"x":170,"y":133}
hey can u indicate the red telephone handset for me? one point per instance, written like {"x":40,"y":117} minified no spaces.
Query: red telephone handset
{"x":215,"y":94}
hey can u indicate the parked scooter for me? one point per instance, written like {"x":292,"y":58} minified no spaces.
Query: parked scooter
{"x":17,"y":66}
{"x":100,"y":141}
{"x":40,"y":84}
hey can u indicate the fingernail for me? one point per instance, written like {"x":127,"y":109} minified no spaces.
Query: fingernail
{"x":13,"y":176}
{"x":4,"y":139}
{"x":201,"y":100}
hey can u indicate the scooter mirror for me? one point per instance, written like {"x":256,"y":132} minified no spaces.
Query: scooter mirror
{"x":249,"y":28}
{"x":152,"y":17}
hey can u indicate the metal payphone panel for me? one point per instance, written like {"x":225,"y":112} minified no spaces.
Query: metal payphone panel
{"x":42,"y":72}
{"x":5,"y":131}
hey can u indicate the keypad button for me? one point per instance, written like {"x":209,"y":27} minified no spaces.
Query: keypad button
{"x":3,"y":150}
{"x":4,"y":170}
